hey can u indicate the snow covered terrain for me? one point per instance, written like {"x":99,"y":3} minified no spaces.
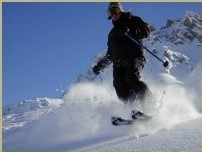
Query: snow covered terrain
{"x":81,"y":119}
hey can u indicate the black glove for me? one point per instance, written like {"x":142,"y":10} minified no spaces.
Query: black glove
{"x":96,"y":70}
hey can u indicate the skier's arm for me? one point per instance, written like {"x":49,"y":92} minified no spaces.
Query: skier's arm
{"x":139,"y":28}
{"x":144,"y":29}
{"x":103,"y":63}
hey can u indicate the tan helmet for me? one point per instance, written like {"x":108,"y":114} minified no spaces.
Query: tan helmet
{"x":114,"y":5}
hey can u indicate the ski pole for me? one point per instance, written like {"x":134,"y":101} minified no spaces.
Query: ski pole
{"x":101,"y":78}
{"x":90,"y":79}
{"x":165,"y":63}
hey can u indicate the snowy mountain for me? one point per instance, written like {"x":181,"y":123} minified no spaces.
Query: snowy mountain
{"x":181,"y":31}
{"x":80,"y":120}
{"x":23,"y":113}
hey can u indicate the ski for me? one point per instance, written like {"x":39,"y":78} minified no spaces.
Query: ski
{"x":138,"y":115}
{"x":135,"y":115}
{"x":118,"y":121}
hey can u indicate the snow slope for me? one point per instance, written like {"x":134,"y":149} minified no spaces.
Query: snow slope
{"x":178,"y":138}
{"x":81,"y":119}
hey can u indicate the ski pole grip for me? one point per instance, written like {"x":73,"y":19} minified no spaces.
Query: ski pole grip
{"x":165,"y":64}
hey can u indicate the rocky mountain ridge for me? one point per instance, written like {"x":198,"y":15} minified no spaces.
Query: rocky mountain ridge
{"x":180,"y":31}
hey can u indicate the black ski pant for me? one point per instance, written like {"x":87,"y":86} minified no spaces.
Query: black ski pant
{"x":127,"y":81}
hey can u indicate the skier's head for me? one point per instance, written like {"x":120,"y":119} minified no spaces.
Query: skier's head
{"x":114,"y":10}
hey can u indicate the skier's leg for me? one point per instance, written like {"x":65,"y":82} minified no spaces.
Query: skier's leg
{"x":122,"y":90}
{"x":145,"y":96}
{"x":140,"y":89}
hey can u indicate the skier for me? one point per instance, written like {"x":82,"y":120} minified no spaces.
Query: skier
{"x":127,"y":57}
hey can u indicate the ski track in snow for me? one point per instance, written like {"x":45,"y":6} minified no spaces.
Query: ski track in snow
{"x":178,"y":138}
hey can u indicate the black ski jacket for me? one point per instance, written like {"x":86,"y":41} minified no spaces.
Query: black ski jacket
{"x":120,"y":47}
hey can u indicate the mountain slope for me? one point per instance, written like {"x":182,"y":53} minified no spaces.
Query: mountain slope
{"x":25,"y":112}
{"x":185,"y":136}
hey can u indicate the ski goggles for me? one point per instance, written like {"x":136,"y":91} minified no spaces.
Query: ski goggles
{"x":114,"y":10}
